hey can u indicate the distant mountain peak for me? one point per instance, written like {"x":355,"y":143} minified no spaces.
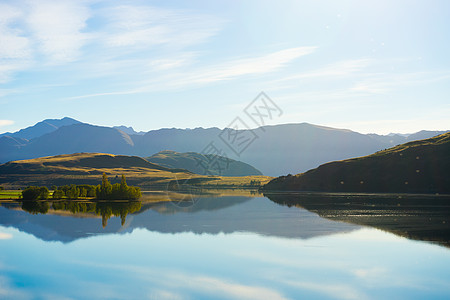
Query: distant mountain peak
{"x":41,"y":128}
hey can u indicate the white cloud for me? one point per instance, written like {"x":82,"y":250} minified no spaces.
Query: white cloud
{"x":57,"y":28}
{"x":34,"y":33}
{"x":230,"y":70}
{"x":247,"y":66}
{"x":13,"y":44}
{"x":146,"y":26}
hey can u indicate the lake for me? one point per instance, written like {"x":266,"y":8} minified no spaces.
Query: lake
{"x":219,"y":246}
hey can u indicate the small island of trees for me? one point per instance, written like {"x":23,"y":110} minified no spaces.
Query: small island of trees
{"x":104,"y":191}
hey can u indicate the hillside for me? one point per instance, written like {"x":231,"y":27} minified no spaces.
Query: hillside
{"x":86,"y":168}
{"x":203,"y":164}
{"x":416,"y":167}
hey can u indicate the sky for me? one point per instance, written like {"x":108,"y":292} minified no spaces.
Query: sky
{"x":370,"y":66}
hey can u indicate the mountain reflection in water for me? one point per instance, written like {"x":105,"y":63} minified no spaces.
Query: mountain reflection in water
{"x":299,"y":215}
{"x":69,"y":221}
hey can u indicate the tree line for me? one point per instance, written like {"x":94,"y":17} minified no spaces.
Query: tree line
{"x":103,"y":191}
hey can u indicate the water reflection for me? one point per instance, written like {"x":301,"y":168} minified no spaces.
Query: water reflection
{"x":69,"y":221}
{"x":104,"y":209}
{"x":223,"y":247}
{"x":419,"y":217}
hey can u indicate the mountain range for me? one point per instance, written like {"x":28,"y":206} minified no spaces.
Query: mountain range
{"x":273,"y":150}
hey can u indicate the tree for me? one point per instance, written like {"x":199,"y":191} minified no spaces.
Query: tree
{"x":35,"y":193}
{"x":117,"y":191}
{"x":105,"y":189}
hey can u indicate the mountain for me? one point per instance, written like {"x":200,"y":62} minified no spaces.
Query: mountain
{"x":415,"y":167}
{"x":274,"y":150}
{"x":85,"y":163}
{"x":41,"y":128}
{"x":207,"y":164}
{"x":393,"y":139}
{"x":74,"y":138}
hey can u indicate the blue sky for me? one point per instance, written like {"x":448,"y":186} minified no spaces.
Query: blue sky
{"x":370,"y":66}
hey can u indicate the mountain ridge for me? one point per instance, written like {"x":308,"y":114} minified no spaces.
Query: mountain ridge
{"x":276,"y":150}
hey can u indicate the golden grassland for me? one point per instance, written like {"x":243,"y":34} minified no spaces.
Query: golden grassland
{"x":86,"y":168}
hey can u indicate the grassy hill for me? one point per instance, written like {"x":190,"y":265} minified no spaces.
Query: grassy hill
{"x":86,"y":168}
{"x":207,"y":164}
{"x":416,"y":167}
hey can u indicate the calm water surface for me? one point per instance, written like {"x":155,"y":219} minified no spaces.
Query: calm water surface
{"x":224,"y":247}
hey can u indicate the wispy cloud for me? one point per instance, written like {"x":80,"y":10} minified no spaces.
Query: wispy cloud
{"x":56,"y":28}
{"x":45,"y":33}
{"x":13,"y":45}
{"x":197,"y":75}
{"x":125,"y":92}
{"x":249,"y":66}
{"x":144,"y":26}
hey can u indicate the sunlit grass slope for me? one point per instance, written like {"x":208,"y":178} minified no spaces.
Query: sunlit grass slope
{"x":86,"y":168}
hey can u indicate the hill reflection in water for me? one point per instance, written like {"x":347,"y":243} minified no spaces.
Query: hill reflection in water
{"x":418,"y":217}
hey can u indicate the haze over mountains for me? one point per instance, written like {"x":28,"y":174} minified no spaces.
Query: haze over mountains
{"x":276,"y":150}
